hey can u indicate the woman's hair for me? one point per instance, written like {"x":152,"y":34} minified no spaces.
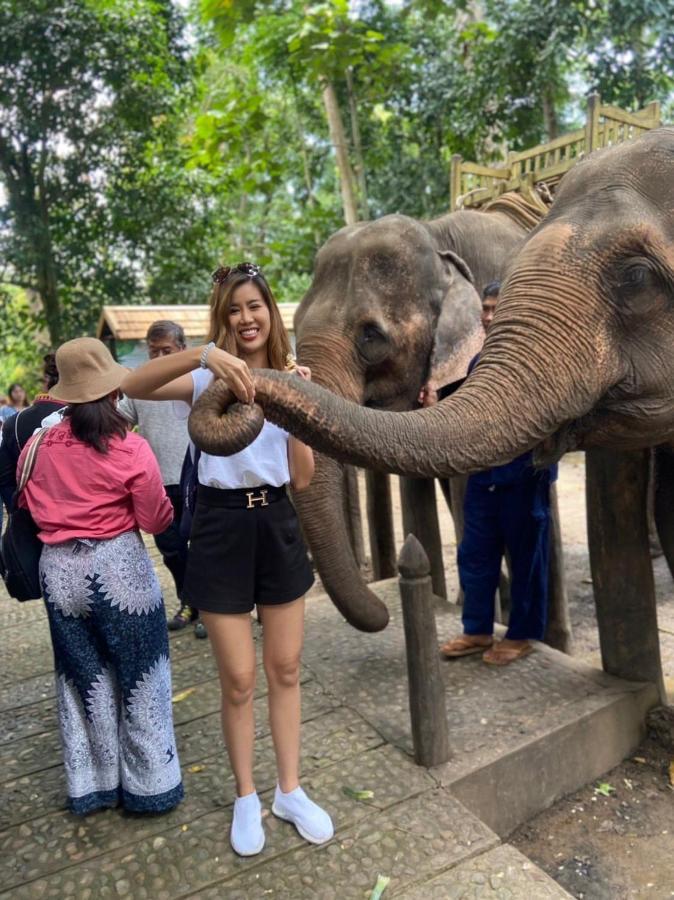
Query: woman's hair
{"x":49,"y":371}
{"x":12,"y":387}
{"x":278,"y":345}
{"x":96,"y":422}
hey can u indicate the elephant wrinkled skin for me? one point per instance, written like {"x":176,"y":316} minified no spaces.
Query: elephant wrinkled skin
{"x":579,"y":354}
{"x":391,"y":306}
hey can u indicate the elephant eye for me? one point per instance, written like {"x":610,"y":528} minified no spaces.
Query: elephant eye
{"x":635,"y":276}
{"x":372,"y":343}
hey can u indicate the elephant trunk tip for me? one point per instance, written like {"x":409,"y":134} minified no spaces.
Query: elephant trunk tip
{"x":376,"y":619}
{"x":220,"y":426}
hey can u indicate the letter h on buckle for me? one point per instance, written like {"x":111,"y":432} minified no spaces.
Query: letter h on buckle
{"x":252,"y":499}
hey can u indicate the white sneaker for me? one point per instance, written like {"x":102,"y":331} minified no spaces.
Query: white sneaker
{"x":247,"y":834}
{"x":312,"y":822}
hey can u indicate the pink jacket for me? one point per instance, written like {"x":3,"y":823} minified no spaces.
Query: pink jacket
{"x":75,"y":491}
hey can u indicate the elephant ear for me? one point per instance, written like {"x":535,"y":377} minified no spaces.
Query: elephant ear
{"x":459,"y":334}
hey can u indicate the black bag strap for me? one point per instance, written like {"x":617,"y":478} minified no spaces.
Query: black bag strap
{"x":29,"y":461}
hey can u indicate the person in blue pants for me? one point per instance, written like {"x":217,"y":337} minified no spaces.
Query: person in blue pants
{"x":507,"y":508}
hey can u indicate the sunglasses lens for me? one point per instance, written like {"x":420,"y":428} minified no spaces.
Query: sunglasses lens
{"x":248,"y":268}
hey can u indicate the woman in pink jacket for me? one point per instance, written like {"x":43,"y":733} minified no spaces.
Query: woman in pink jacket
{"x":92,"y":487}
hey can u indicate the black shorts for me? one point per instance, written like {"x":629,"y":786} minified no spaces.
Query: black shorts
{"x":244,"y":553}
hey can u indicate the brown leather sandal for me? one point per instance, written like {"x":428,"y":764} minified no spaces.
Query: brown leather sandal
{"x":503,"y":656}
{"x":462,"y":646}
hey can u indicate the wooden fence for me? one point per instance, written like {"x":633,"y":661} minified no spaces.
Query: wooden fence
{"x":541,"y":167}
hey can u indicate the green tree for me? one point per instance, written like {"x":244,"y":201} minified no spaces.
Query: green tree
{"x":85,"y":88}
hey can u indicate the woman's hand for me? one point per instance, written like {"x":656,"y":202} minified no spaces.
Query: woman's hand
{"x":304,"y":372}
{"x":233,"y":371}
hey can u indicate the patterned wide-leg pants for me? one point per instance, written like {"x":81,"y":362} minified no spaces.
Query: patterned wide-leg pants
{"x":113,"y":678}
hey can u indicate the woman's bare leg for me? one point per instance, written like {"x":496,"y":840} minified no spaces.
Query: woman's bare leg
{"x":283,"y":635}
{"x":232,"y":642}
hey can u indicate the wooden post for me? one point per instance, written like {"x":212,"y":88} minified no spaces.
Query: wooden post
{"x":420,"y":518}
{"x":558,"y":633}
{"x":652,"y":110}
{"x":380,"y":524}
{"x":430,"y":732}
{"x":353,"y":516}
{"x":663,"y":501}
{"x":592,"y":123}
{"x":455,"y":182}
{"x":622,"y":574}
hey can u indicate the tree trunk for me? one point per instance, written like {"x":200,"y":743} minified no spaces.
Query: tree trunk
{"x":357,"y":148}
{"x":338,"y":138}
{"x":622,"y":574}
{"x":550,"y":113}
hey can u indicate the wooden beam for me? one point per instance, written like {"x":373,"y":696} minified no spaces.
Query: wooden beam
{"x":638,"y":119}
{"x":428,"y":713}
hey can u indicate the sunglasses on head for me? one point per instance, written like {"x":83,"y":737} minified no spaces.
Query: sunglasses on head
{"x":246,"y":268}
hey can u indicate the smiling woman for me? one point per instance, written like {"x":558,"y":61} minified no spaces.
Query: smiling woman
{"x":246,"y":547}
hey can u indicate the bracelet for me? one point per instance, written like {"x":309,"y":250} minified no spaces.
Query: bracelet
{"x":204,"y":354}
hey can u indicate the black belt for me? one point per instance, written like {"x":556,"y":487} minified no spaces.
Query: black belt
{"x":240,"y":498}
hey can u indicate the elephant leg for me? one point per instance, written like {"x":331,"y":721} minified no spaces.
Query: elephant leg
{"x":663,"y":499}
{"x":558,"y":631}
{"x":622,"y":573}
{"x":353,"y":515}
{"x":420,"y":518}
{"x":380,"y":523}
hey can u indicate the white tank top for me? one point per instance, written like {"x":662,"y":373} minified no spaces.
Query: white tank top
{"x":265,"y":461}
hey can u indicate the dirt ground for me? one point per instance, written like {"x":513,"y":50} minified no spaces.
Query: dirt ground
{"x":613,"y":839}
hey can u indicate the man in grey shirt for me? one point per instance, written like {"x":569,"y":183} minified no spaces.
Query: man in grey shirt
{"x":167,"y":435}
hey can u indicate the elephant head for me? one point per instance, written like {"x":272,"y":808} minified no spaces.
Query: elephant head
{"x":579,"y":353}
{"x":389,"y":309}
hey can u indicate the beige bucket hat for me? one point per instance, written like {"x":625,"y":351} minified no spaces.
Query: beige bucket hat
{"x":86,"y":370}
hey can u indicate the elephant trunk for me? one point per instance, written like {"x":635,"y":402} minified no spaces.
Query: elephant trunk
{"x":543,"y":365}
{"x":321,"y":505}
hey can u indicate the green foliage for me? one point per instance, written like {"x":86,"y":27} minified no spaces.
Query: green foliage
{"x":85,"y":88}
{"x":141,"y":145}
{"x":21,"y":348}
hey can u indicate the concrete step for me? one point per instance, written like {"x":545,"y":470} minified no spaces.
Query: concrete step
{"x":521,"y":736}
{"x":502,"y":873}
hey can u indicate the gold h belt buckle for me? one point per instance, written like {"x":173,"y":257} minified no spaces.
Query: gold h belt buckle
{"x":252,"y":499}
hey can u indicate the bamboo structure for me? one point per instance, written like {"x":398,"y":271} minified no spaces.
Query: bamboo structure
{"x":540,"y":169}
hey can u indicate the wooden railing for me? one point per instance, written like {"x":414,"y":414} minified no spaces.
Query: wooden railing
{"x":473,"y":185}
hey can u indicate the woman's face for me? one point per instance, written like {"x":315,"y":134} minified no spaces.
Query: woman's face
{"x":18,"y":395}
{"x":249,"y":319}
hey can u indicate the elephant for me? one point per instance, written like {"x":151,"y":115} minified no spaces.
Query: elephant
{"x":391,"y":306}
{"x":578,"y":356}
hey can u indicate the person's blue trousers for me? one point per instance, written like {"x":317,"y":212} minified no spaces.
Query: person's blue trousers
{"x":516,"y":518}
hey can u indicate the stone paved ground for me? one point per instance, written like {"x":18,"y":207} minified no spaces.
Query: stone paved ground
{"x":355,"y":735}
